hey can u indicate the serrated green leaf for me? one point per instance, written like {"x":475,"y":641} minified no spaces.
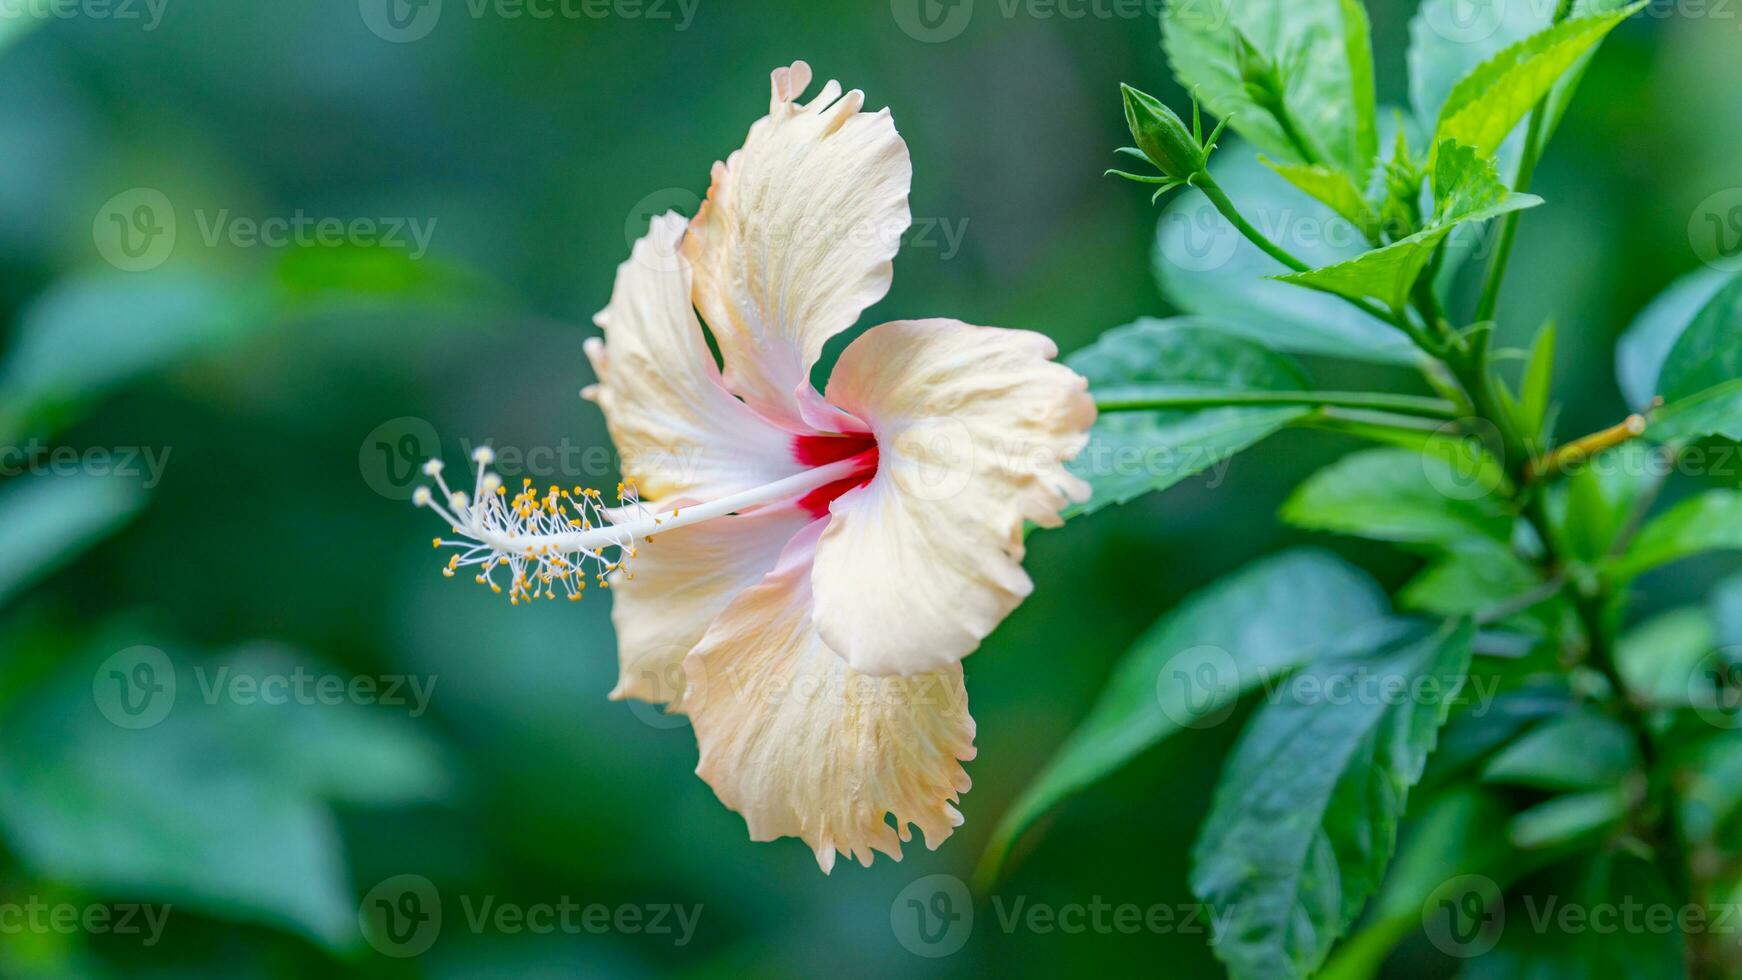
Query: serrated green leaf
{"x":1580,"y":751}
{"x":1396,"y":495}
{"x":1204,"y":266}
{"x":1453,"y":836}
{"x":1322,"y":51}
{"x":1711,"y":521}
{"x":1244,"y":630}
{"x":1305,"y":818}
{"x":1388,"y":274}
{"x":1485,"y":106}
{"x":1449,"y":39}
{"x":47,"y":521}
{"x":1133,"y":453}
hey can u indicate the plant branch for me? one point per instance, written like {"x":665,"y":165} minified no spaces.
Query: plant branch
{"x":1573,"y":453}
{"x":1410,"y":405}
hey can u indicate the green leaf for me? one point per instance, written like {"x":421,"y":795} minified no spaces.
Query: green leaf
{"x":1709,"y":776}
{"x":1388,"y":274}
{"x":1470,"y":580}
{"x":1538,"y":383}
{"x":1709,"y":352}
{"x":1449,"y":39}
{"x":1717,"y":411}
{"x":180,"y":811}
{"x":1711,"y":521}
{"x":1204,"y":266}
{"x":1565,"y":820}
{"x":1305,"y":818}
{"x":1453,"y":836}
{"x":1485,"y":106}
{"x":1645,"y":345}
{"x":47,"y":521}
{"x":1335,"y":189}
{"x":1133,"y":453}
{"x":1485,"y":725}
{"x":86,"y":336}
{"x":1191,"y":666}
{"x":1590,"y":509}
{"x":1322,"y":50}
{"x":1396,"y":495}
{"x":1580,"y":751}
{"x":1612,"y":880}
{"x":1661,"y":659}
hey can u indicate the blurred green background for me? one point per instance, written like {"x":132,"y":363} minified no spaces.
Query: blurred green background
{"x":285,"y":390}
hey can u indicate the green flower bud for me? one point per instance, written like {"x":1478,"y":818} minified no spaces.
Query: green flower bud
{"x":1163,"y":137}
{"x":1260,"y":76}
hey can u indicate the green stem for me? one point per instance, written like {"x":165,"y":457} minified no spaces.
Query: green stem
{"x":1429,"y":408}
{"x":1206,"y":183}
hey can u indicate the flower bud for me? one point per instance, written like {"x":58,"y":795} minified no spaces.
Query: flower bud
{"x":1258,"y":74}
{"x":1162,"y":136}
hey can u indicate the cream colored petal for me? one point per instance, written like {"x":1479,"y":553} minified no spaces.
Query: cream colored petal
{"x":973,"y":426}
{"x":680,"y":433}
{"x":682,"y":580}
{"x":803,"y":746}
{"x":796,"y":239}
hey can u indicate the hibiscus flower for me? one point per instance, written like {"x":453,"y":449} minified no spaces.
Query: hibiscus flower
{"x":800,"y":573}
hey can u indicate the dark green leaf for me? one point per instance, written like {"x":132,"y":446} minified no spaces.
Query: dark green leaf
{"x":1396,"y":495}
{"x":1711,"y":521}
{"x":46,"y":521}
{"x":1306,"y":815}
{"x":1702,"y":375}
{"x":1580,"y":751}
{"x":1642,"y":349}
{"x":1662,"y":659}
{"x":1133,"y":453}
{"x":1187,"y":671}
{"x":1564,"y":820}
